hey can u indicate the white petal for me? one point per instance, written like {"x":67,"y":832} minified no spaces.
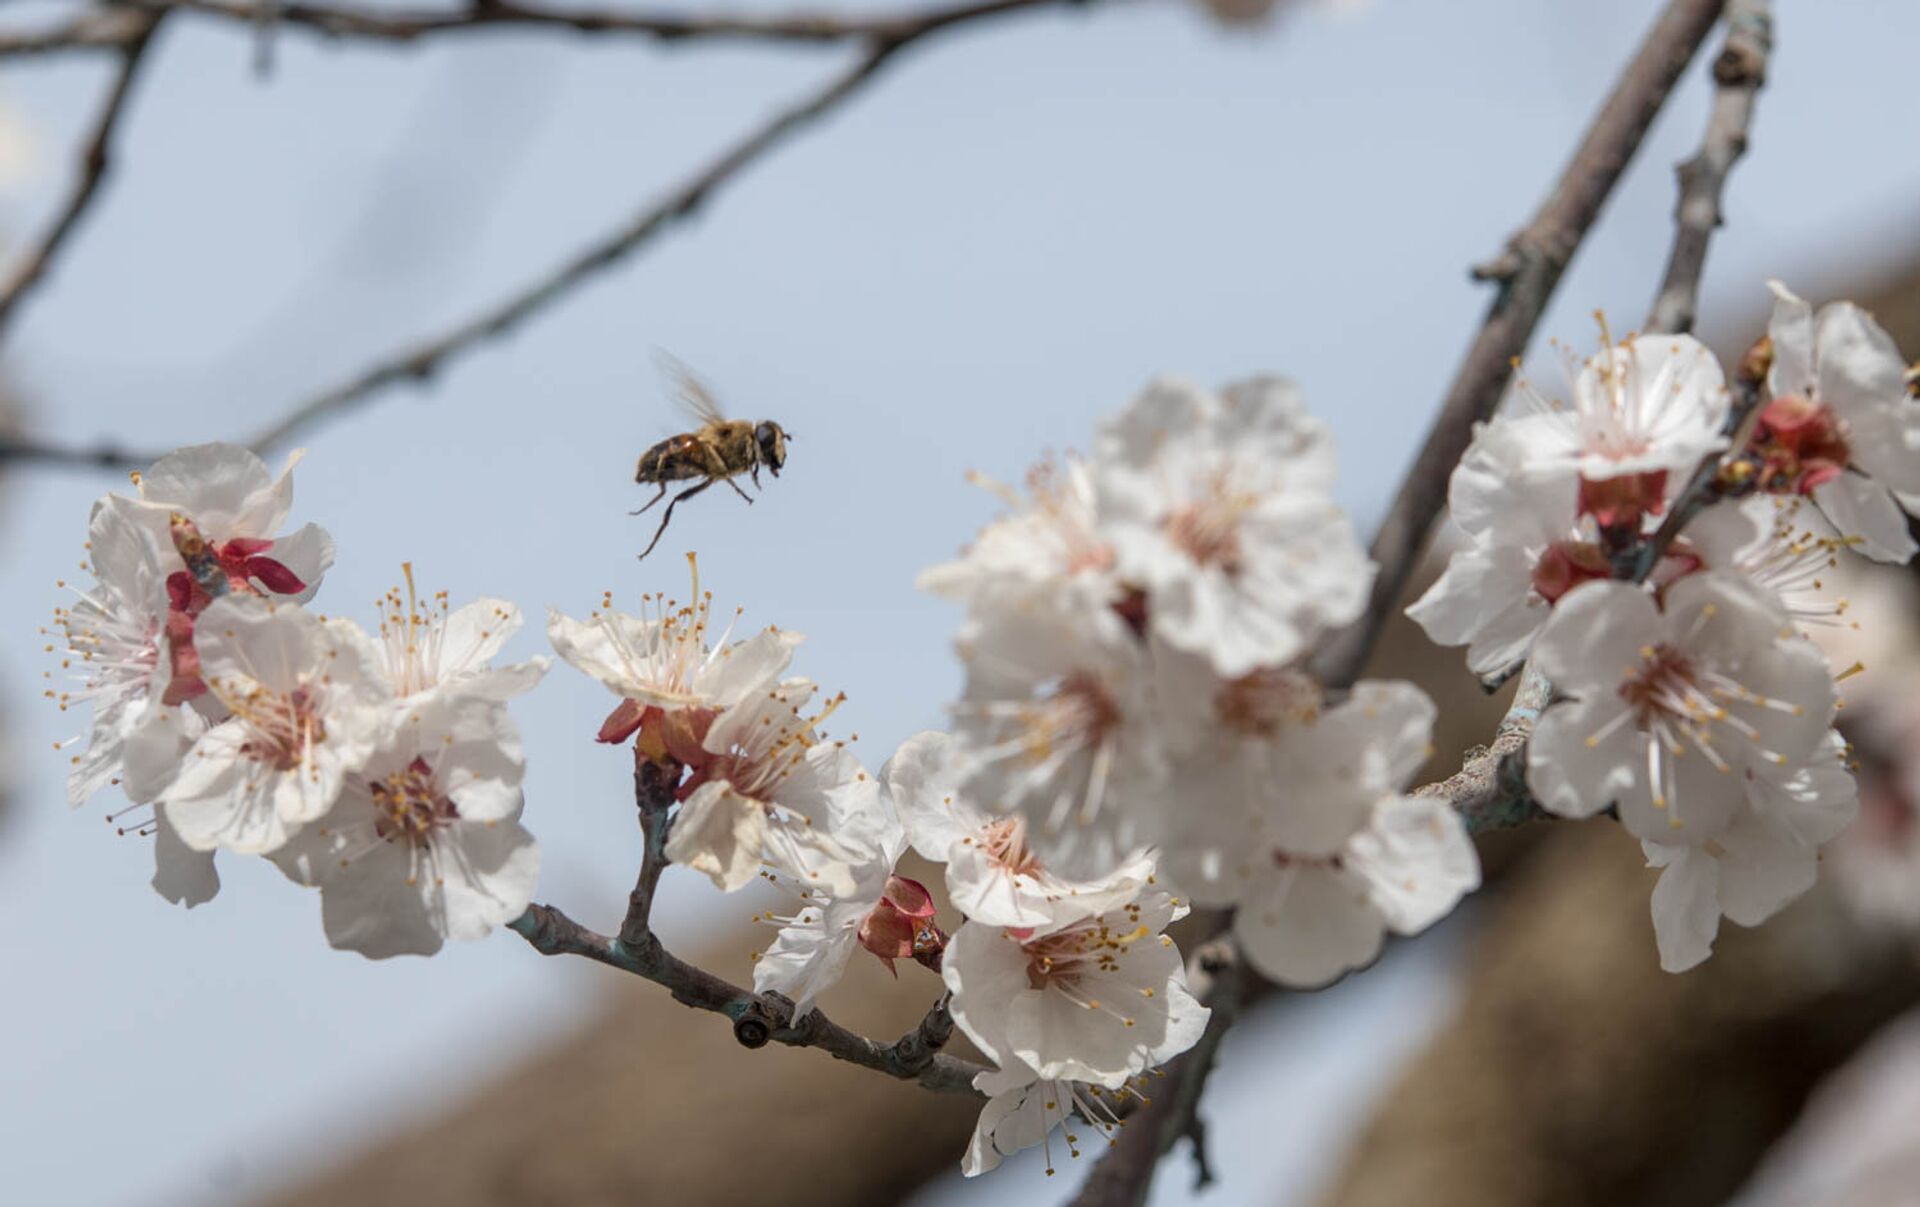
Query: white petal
{"x":1866,"y":511}
{"x":721,"y":833}
{"x":181,"y":874}
{"x":1583,"y":755}
{"x":1417,"y":860}
{"x":1595,"y":635}
{"x":1686,"y":907}
{"x":1304,"y":925}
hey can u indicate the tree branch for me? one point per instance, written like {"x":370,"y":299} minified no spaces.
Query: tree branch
{"x":757,"y":1017}
{"x":97,"y":28}
{"x":1527,"y":273}
{"x":883,"y":38}
{"x":95,"y":161}
{"x":1739,"y":74}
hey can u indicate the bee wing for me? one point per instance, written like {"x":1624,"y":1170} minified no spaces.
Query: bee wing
{"x":687,"y":390}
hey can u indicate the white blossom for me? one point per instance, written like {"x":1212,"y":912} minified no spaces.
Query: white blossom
{"x":884,"y":912}
{"x":1217,"y":507}
{"x":308,"y":705}
{"x":1023,"y":1110}
{"x":432,"y":646}
{"x":424,"y":843}
{"x":1097,"y":998}
{"x":1524,"y":544}
{"x":239,"y":508}
{"x":993,"y":875}
{"x":1062,"y":727}
{"x":1652,"y":405}
{"x":1767,"y":855}
{"x":1839,"y":424}
{"x":1047,"y":554}
{"x":1673,"y":711}
{"x":667,"y":658}
{"x":113,"y":640}
{"x":770,"y":791}
{"x":1294,"y":813}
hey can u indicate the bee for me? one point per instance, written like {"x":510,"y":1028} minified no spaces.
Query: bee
{"x":719,"y":451}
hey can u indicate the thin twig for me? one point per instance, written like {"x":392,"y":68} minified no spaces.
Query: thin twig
{"x":1527,"y":273}
{"x":1739,"y":74}
{"x":401,"y":26}
{"x":95,"y":29}
{"x":758,"y":1018}
{"x":423,"y":359}
{"x":94,"y":164}
{"x":883,"y":38}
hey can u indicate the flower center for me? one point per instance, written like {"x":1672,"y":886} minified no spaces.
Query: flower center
{"x":1005,"y":842}
{"x":409,"y":806}
{"x":282,"y":728}
{"x":1623,"y":502}
{"x":1078,"y":714}
{"x":1208,"y":530}
{"x":1797,"y":445}
{"x":1564,"y":565}
{"x":1267,"y":701}
{"x":1063,"y":960}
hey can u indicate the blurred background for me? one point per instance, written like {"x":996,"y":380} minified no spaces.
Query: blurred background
{"x":970,"y":263}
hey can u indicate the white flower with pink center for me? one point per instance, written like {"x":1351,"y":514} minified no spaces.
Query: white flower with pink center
{"x":993,"y":875}
{"x":1217,"y":508}
{"x":1782,"y":545}
{"x":1673,"y":709}
{"x":1047,"y":552}
{"x":1767,"y":856}
{"x":1525,"y":545}
{"x":667,"y":658}
{"x":771,"y":791}
{"x":1097,"y":998}
{"x":425,"y":842}
{"x":112,"y":641}
{"x":1839,"y":424}
{"x":888,"y":914}
{"x":428,"y":646}
{"x":307,"y":704}
{"x":225,"y":491}
{"x":1295,"y":813}
{"x":1022,"y":1112}
{"x":1060,"y":727}
{"x":1649,"y":408}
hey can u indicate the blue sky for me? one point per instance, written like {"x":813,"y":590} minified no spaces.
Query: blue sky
{"x":992,"y":247}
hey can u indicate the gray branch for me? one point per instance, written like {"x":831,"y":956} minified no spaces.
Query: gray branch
{"x":758,"y":1018}
{"x":95,"y":162}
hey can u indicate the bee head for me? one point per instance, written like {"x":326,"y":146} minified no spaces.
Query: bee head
{"x":772,"y":439}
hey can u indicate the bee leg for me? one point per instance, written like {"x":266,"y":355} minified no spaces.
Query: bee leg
{"x":652,"y":501}
{"x":755,"y":472}
{"x":662,"y":530}
{"x":736,"y":490}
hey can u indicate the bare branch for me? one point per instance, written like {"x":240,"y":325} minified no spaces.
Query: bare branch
{"x":1527,"y":272}
{"x":422,"y":360}
{"x":401,"y":26}
{"x":94,"y":163}
{"x":758,"y":1018}
{"x":1739,"y":74}
{"x":95,"y":29}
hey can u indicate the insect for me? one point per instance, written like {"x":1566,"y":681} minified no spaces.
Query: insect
{"x":719,"y":451}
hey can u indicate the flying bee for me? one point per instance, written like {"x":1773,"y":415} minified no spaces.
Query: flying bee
{"x":719,"y":451}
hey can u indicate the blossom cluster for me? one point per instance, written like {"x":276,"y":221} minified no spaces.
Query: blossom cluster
{"x":1661,"y":546}
{"x":383,"y":770}
{"x":1138,"y":705}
